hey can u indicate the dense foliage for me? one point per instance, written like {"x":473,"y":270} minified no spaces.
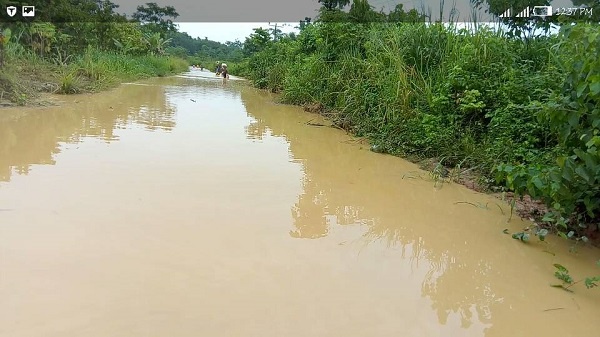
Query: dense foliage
{"x":80,"y":45}
{"x":506,"y":104}
{"x":69,"y":27}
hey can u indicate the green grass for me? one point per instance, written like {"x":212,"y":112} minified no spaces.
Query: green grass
{"x":92,"y":71}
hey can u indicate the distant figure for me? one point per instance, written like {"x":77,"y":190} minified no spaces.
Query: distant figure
{"x":224,"y":73}
{"x":218,"y":71}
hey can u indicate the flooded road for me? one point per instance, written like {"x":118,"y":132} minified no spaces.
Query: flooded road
{"x":180,"y":207}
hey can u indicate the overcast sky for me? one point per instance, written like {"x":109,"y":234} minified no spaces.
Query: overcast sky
{"x":291,"y":10}
{"x":232,"y":10}
{"x":229,"y":31}
{"x":228,"y":20}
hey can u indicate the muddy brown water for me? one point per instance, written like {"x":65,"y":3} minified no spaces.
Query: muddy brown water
{"x":181,"y":207}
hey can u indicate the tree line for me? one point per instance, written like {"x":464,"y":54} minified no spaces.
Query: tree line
{"x":67,"y":27}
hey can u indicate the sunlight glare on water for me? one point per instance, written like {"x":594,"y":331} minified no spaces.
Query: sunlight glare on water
{"x":184,"y":207}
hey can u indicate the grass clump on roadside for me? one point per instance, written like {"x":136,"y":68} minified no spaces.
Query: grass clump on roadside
{"x":77,"y":57}
{"x":100,"y":70}
{"x":93,"y":71}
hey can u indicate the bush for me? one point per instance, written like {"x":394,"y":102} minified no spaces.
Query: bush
{"x":478,"y":99}
{"x":570,"y":186}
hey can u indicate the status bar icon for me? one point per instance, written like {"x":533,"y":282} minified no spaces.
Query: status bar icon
{"x":11,"y":11}
{"x":28,"y":11}
{"x":541,"y":11}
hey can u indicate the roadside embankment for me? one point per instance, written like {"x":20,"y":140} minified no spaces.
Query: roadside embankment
{"x":25,"y":76}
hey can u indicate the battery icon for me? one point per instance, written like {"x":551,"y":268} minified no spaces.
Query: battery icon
{"x":541,"y":11}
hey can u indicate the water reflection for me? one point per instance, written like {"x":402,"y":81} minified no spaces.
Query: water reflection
{"x":343,"y":186}
{"x":34,"y":137}
{"x":468,"y":267}
{"x":218,"y":218}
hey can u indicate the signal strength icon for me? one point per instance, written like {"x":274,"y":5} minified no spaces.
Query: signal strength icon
{"x":506,"y":14}
{"x":524,"y":13}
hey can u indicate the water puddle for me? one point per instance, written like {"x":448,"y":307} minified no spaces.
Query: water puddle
{"x":184,"y":207}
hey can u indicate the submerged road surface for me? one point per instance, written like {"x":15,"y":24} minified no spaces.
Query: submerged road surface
{"x":179,"y":207}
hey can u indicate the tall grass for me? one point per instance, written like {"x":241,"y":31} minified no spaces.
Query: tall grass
{"x":91,"y":71}
{"x":420,"y":90}
{"x":104,"y":69}
{"x":480,"y":99}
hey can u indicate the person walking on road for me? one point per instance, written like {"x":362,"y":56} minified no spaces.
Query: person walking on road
{"x":224,"y":72}
{"x":218,"y":71}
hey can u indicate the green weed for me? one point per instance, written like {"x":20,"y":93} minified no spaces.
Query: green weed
{"x":563,"y":274}
{"x":70,"y":83}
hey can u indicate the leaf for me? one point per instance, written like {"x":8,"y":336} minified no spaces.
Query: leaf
{"x":548,"y":217}
{"x":580,"y":170}
{"x":524,"y":237}
{"x":561,"y":268}
{"x":570,"y":234}
{"x":590,"y":282}
{"x":581,"y":88}
{"x":542,"y":234}
{"x":593,"y":141}
{"x":537,"y":182}
{"x":506,"y":232}
{"x":595,"y":88}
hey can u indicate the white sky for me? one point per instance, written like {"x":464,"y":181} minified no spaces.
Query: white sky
{"x":229,"y":31}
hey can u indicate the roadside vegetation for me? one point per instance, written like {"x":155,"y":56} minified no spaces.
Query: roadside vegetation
{"x":86,"y":46}
{"x":512,"y":111}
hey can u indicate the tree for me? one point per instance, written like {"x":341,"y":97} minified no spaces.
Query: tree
{"x":304,"y":23}
{"x":257,"y":41}
{"x":362,"y":12}
{"x":129,"y":39}
{"x":235,"y":44}
{"x":40,"y":37}
{"x":593,"y":5}
{"x":156,"y":44}
{"x":399,"y":15}
{"x":157,"y":19}
{"x":333,"y":4}
{"x":522,"y":27}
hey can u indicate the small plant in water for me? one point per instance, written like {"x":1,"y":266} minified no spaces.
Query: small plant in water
{"x":524,"y":236}
{"x":439,"y":173}
{"x":562,"y":274}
